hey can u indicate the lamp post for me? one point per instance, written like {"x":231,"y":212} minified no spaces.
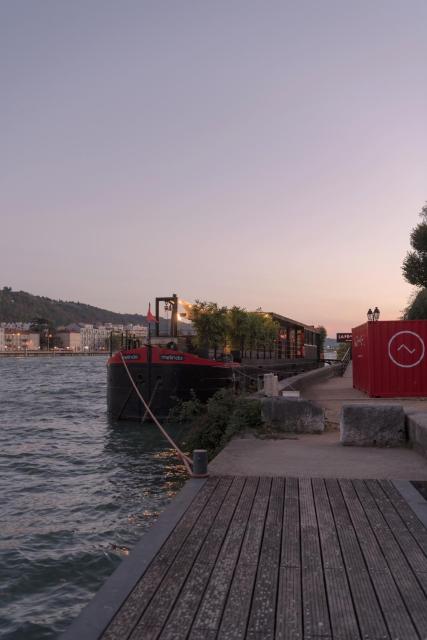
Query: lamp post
{"x":373,"y":316}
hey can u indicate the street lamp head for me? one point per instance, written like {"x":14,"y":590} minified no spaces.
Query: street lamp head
{"x":376,"y":314}
{"x":370,"y":315}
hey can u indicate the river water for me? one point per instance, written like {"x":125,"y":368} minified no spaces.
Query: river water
{"x":75,"y":491}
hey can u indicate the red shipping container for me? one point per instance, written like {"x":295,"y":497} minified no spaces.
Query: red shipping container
{"x":389,"y":358}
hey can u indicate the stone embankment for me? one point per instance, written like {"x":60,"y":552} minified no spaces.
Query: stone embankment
{"x":307,"y":442}
{"x":285,"y":411}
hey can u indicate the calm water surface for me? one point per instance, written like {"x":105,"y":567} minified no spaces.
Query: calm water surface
{"x":76,"y":491}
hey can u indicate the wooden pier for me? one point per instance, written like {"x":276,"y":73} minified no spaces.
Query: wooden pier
{"x":261,"y":558}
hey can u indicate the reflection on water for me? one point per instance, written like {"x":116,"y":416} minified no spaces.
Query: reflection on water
{"x":77,"y":492}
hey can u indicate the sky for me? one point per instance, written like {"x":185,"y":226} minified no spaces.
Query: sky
{"x":266,"y":154}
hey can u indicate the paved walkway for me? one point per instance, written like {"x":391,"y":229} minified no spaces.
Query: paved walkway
{"x":316,"y":456}
{"x":263,"y":558}
{"x":322,"y":456}
{"x":335,"y":392}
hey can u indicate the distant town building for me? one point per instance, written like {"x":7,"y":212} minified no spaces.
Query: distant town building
{"x":70,"y":340}
{"x":137,"y":330}
{"x":17,"y":326}
{"x":73,"y":337}
{"x":94,"y":338}
{"x":21,"y":340}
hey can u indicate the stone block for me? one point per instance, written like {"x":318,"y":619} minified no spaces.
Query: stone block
{"x":370,"y":425}
{"x":417,"y":430}
{"x":271,"y":385}
{"x":292,"y":415}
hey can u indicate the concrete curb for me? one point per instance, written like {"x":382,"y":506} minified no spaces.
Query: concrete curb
{"x":302,"y":380}
{"x":413,"y":498}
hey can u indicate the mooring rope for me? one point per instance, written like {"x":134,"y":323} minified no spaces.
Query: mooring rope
{"x":150,"y":401}
{"x":186,"y":460}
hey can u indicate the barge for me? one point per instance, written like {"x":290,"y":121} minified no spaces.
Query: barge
{"x":165,"y":369}
{"x":162,"y":376}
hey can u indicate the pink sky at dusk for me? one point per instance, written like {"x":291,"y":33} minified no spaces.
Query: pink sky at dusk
{"x":266,"y":154}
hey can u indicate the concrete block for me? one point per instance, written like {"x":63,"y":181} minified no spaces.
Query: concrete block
{"x":290,"y":394}
{"x":268,"y":384}
{"x":417,"y":430}
{"x":271,"y":385}
{"x":368,"y":425}
{"x":292,"y":415}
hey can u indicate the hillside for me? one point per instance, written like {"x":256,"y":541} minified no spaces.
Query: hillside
{"x":331,"y":343}
{"x":20,"y":306}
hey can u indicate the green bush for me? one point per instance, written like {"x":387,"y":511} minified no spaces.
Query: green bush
{"x":212,"y":425}
{"x":186,"y":410}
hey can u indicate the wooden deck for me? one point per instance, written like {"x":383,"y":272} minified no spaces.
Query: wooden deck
{"x":288,"y":559}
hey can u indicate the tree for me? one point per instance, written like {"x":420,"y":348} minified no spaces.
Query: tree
{"x":210,"y":322}
{"x":46,"y":330}
{"x":270,"y":332}
{"x":415,"y":263}
{"x":255,"y":331}
{"x":322,"y":338}
{"x":238,"y":328}
{"x":235,"y":328}
{"x":417,"y":307}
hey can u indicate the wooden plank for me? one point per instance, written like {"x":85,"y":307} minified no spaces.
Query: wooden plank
{"x":291,"y":549}
{"x":402,"y":573}
{"x":263,"y":611}
{"x":413,"y":552}
{"x":182,"y":615}
{"x":315,"y":608}
{"x":237,"y":608}
{"x":343,"y":618}
{"x":289,"y":609}
{"x":366,"y":605}
{"x":209,"y":615}
{"x":394,"y":610}
{"x":414,"y":524}
{"x":289,"y":599}
{"x":152,"y":621}
{"x":331,"y":552}
{"x":123,"y":623}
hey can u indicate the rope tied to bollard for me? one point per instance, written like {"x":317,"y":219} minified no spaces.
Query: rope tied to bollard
{"x":186,"y":460}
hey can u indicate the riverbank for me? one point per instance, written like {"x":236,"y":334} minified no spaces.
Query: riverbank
{"x":53,"y":353}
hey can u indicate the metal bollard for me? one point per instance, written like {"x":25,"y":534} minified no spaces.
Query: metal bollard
{"x":200,"y":463}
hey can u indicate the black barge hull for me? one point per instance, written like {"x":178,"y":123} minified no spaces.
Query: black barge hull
{"x":163,"y":381}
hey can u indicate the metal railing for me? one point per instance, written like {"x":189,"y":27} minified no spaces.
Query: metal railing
{"x":346,"y":359}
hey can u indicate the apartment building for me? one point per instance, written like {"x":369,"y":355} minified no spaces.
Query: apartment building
{"x":94,"y":338}
{"x":70,"y":340}
{"x":21,"y":340}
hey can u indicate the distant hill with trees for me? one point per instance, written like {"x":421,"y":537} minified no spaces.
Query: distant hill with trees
{"x":20,"y":306}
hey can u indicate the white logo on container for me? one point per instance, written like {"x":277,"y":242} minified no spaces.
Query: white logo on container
{"x":406,"y":348}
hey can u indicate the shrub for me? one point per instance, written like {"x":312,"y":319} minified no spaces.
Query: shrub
{"x":212,"y":425}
